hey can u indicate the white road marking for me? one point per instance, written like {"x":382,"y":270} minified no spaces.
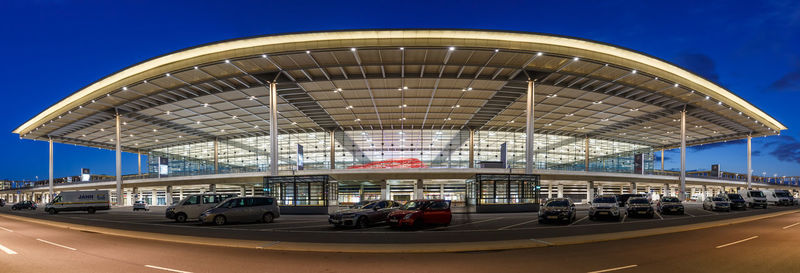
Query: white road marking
{"x":516,"y":225}
{"x":48,"y":242}
{"x":614,"y":269}
{"x":469,"y":223}
{"x":6,"y":229}
{"x":688,"y":214}
{"x":743,"y":240}
{"x":791,"y":225}
{"x":659,"y":215}
{"x":623,"y":218}
{"x":584,"y":218}
{"x":165,"y":269}
{"x":7,"y":250}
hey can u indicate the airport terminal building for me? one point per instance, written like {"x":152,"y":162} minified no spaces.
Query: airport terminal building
{"x":489,"y":119}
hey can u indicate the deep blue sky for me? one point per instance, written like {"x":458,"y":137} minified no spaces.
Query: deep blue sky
{"x":53,"y":48}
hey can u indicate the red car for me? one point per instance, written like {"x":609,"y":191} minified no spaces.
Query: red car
{"x":417,"y":213}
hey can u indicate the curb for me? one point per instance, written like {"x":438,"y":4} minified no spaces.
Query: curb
{"x":398,"y":248}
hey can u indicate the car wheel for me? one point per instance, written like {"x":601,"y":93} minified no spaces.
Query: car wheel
{"x":52,"y":211}
{"x":220,"y":220}
{"x":362,"y":222}
{"x":180,"y":217}
{"x":90,"y":210}
{"x":267,"y":218}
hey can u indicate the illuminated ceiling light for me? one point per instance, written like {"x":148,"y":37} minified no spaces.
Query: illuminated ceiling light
{"x":402,"y":118}
{"x":707,"y":97}
{"x":352,"y":49}
{"x":124,"y":123}
{"x":581,"y":128}
{"x":124,"y":88}
{"x":538,"y":54}
{"x":308,"y":52}
{"x":227,"y":61}
{"x":167,"y":74}
{"x":136,"y":144}
{"x":252,"y":97}
{"x":469,"y":88}
{"x":405,"y":87}
{"x":605,"y":119}
{"x":676,"y":85}
{"x":569,"y":115}
{"x":255,"y":127}
{"x":633,"y":72}
{"x":338,"y":89}
{"x":198,"y":122}
{"x":634,"y":109}
{"x":447,"y":119}
{"x":156,"y":140}
{"x":597,"y":102}
{"x":457,"y":105}
{"x":223,"y":130}
{"x":234,"y":117}
{"x":656,"y":78}
{"x":131,"y":135}
{"x":719,"y":103}
{"x":263,"y":55}
{"x":549,"y":124}
{"x":111,"y":139}
{"x":84,"y":135}
{"x":452,"y":48}
{"x":195,"y":68}
{"x":576,"y":59}
{"x":552,"y":95}
{"x":205,"y":104}
{"x":155,"y":130}
{"x":102,"y":130}
{"x":349,"y":107}
{"x":357,"y":120}
{"x":92,"y":101}
{"x":402,"y":48}
{"x":294,"y":122}
{"x":168,"y":112}
{"x":496,"y":50}
{"x":399,"y":89}
{"x":511,"y":121}
{"x":180,"y":136}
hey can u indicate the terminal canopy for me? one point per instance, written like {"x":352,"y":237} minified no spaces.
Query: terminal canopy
{"x":400,"y":79}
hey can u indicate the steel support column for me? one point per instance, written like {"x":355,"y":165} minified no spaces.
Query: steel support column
{"x":749,"y":162}
{"x":586,"y":155}
{"x":589,"y":191}
{"x":119,"y":162}
{"x":529,"y":130}
{"x":682,"y":194}
{"x":662,"y":160}
{"x":333,"y":149}
{"x":139,"y":162}
{"x":273,"y":128}
{"x":216,"y":155}
{"x":50,"y":182}
{"x":471,"y":148}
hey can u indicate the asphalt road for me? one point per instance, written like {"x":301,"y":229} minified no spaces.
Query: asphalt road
{"x":767,"y":245}
{"x":315,"y":228}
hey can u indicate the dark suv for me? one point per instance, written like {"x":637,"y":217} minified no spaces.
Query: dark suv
{"x":24,"y":205}
{"x":557,"y":209}
{"x":639,"y":206}
{"x":737,"y":202}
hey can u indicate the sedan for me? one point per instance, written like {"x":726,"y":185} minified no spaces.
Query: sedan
{"x":141,"y":205}
{"x":417,"y":213}
{"x":371,"y":213}
{"x":717,"y":203}
{"x":24,"y":205}
{"x":557,"y":210}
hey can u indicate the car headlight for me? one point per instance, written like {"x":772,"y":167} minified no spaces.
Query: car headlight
{"x":408,"y":216}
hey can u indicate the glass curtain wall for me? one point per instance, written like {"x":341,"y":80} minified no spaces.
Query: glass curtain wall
{"x":379,"y":149}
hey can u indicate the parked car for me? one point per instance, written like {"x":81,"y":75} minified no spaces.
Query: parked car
{"x":371,"y":213}
{"x":2,"y":203}
{"x":737,"y":202}
{"x":193,"y":205}
{"x":717,"y":203}
{"x":670,"y":204}
{"x":754,"y":198}
{"x":778,"y":197}
{"x":606,"y":205}
{"x":417,"y":213}
{"x":89,"y":201}
{"x":24,"y":205}
{"x":557,"y":210}
{"x":242,"y":209}
{"x":141,"y":205}
{"x":622,"y":198}
{"x":639,"y":206}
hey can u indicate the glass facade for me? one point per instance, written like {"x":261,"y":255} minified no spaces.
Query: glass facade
{"x":381,"y":149}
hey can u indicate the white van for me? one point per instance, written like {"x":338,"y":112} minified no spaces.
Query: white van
{"x":778,"y":197}
{"x":193,"y":205}
{"x":90,"y":201}
{"x":754,"y":198}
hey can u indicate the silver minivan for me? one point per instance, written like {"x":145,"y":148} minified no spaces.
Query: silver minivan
{"x":193,"y":205}
{"x":242,"y":209}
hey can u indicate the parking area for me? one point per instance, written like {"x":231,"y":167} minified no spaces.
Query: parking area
{"x":315,"y":228}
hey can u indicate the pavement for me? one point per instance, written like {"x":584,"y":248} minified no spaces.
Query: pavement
{"x":762,"y":245}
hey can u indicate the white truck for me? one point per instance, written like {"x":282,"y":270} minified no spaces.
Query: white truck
{"x":754,"y":198}
{"x":89,"y":201}
{"x":779,"y":197}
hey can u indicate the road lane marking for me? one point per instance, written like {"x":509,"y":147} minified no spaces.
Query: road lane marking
{"x":48,"y":242}
{"x":516,"y":225}
{"x":468,"y":223}
{"x":659,"y":215}
{"x":791,"y":225}
{"x":7,"y":250}
{"x":743,"y":240}
{"x":584,"y":218}
{"x":6,"y":229}
{"x":623,"y":218}
{"x":614,"y":269}
{"x":688,"y":214}
{"x":165,"y":269}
